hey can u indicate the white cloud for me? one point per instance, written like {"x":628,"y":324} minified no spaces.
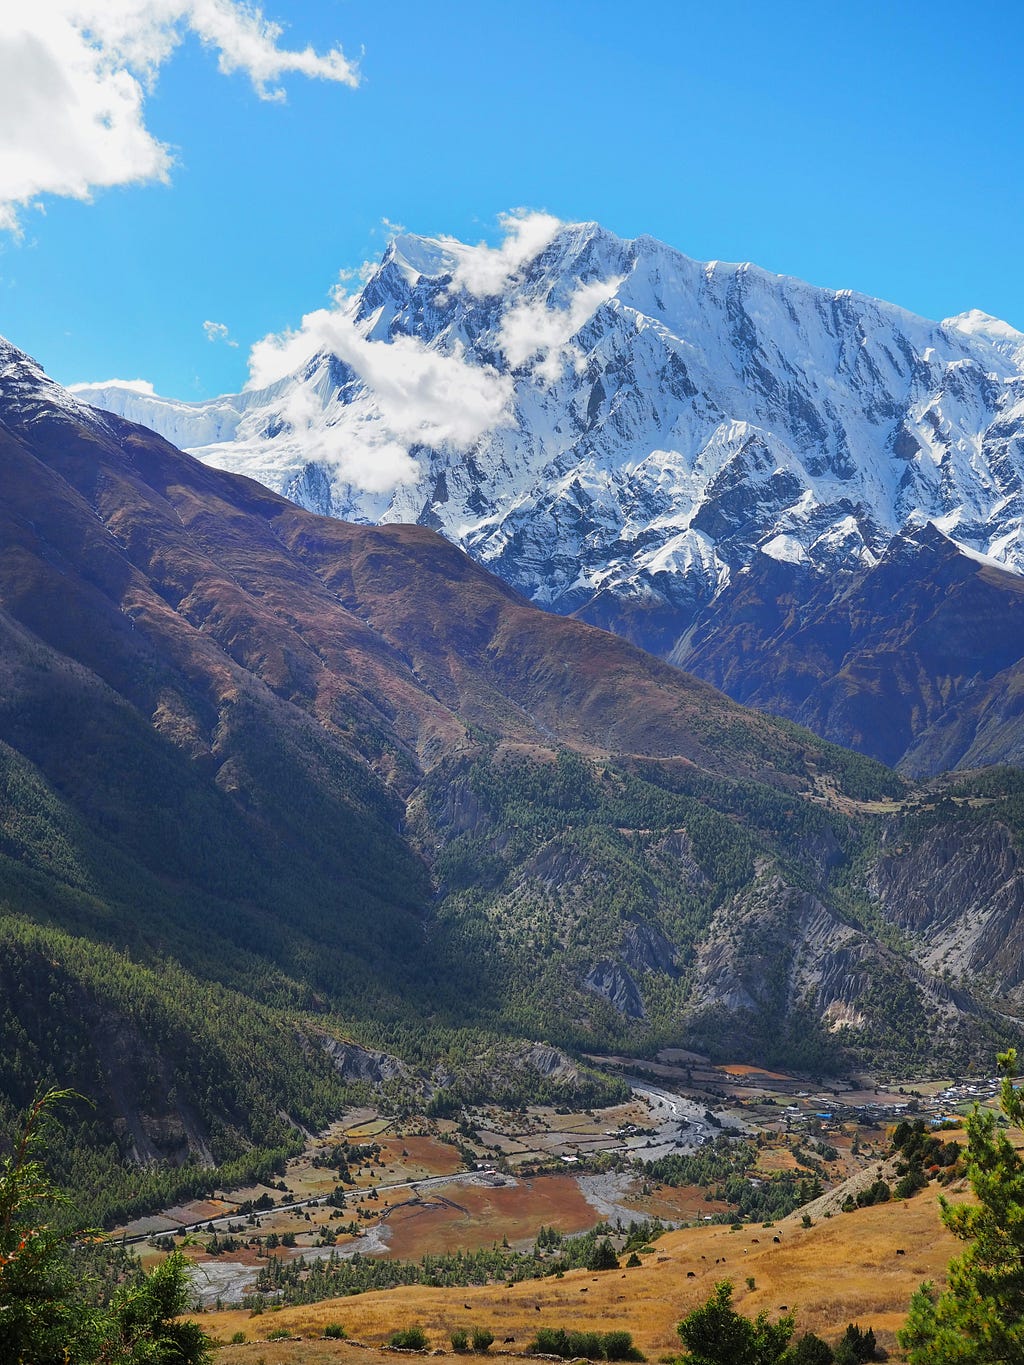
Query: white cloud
{"x":484,"y":270}
{"x":412,"y":395}
{"x":136,"y":385}
{"x":532,"y":329}
{"x":74,"y":76}
{"x":359,"y":444}
{"x":218,"y":331}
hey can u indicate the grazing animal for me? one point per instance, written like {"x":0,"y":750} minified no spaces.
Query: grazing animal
{"x":690,"y":1275}
{"x":776,"y":1239}
{"x":510,"y":1341}
{"x":584,"y":1290}
{"x":900,"y":1251}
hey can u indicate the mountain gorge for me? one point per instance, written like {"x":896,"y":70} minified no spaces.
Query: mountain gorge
{"x":281,"y":791}
{"x":725,"y":466}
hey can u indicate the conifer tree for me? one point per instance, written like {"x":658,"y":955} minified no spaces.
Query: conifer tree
{"x":47,"y":1315}
{"x":979,"y":1318}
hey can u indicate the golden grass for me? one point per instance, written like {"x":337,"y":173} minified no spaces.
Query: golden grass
{"x":843,"y":1269}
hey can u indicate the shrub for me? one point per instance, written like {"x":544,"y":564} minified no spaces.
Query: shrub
{"x":409,"y":1339}
{"x":459,"y":1338}
{"x":556,"y":1341}
{"x":877,"y":1192}
{"x":855,"y":1346}
{"x":619,"y":1346}
{"x":715,"y":1334}
{"x":238,"y":1339}
{"x":482,"y":1339}
{"x":909,"y":1184}
{"x":335,"y":1332}
{"x":551,"y":1341}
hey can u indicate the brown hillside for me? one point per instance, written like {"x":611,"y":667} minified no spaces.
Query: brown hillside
{"x":131,"y":557}
{"x":844,"y":1269}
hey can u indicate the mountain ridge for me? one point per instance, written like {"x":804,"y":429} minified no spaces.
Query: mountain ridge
{"x":646,"y":430}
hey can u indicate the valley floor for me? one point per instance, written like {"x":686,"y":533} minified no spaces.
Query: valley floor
{"x":424,"y":1187}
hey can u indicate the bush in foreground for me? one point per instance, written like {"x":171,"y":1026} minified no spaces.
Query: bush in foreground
{"x":409,"y":1339}
{"x":716,"y":1334}
{"x":556,"y":1341}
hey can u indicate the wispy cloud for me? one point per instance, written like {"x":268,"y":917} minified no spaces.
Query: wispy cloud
{"x":136,"y":385}
{"x":75,"y":75}
{"x":531,"y":331}
{"x":484,"y":270}
{"x":219,"y":331}
{"x":410,"y":395}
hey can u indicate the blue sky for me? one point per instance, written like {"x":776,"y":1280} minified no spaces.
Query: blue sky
{"x":873,"y":147}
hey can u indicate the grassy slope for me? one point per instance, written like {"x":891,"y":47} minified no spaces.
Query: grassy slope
{"x":873,"y":1288}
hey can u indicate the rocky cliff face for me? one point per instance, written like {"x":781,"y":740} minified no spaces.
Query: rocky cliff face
{"x":781,"y":962}
{"x":958,"y":890}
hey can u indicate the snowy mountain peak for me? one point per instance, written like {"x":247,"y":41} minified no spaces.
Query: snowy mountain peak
{"x":607,"y":423}
{"x":418,"y":256}
{"x":999,"y":334}
{"x":25,"y":384}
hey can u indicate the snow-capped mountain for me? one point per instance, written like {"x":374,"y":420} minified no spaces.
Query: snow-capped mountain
{"x":637,"y":426}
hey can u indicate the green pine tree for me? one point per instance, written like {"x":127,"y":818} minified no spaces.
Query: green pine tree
{"x":47,"y":1314}
{"x":979,"y":1318}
